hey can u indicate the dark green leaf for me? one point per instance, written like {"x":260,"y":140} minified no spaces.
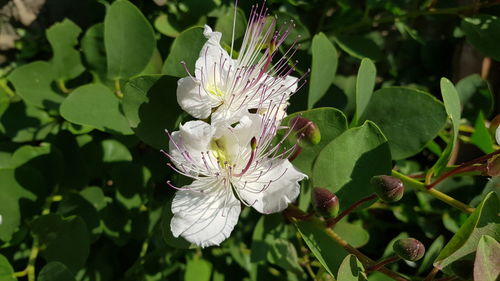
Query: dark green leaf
{"x":45,"y":158}
{"x":408,"y":118}
{"x":431,"y":254}
{"x":481,"y":136}
{"x":185,"y":48}
{"x":95,"y":105}
{"x":115,"y":151}
{"x":224,"y":25}
{"x":457,"y":256}
{"x":486,"y":265}
{"x":22,"y":190}
{"x":346,"y":165}
{"x":62,"y":239}
{"x":33,"y":83}
{"x":359,"y":46}
{"x":323,"y":68}
{"x":63,"y":37}
{"x":475,"y":95}
{"x":149,"y":108}
{"x":483,"y":32}
{"x":74,"y":204}
{"x":331,"y":123}
{"x":316,"y":238}
{"x":453,"y":108}
{"x":55,"y":271}
{"x":94,"y":51}
{"x":6,"y":271}
{"x":351,"y":269}
{"x":365,"y":83}
{"x":128,"y":38}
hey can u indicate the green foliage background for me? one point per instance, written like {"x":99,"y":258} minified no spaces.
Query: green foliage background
{"x":88,"y":89}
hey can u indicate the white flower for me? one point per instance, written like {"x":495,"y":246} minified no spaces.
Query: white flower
{"x":226,"y":88}
{"x":228,"y":164}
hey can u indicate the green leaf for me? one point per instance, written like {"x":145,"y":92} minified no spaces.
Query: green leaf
{"x":452,"y":105}
{"x":128,"y":38}
{"x":75,"y":175}
{"x":163,"y":25}
{"x":94,"y":51}
{"x":351,"y":269}
{"x":185,"y":48}
{"x":95,"y":105}
{"x":457,"y":256}
{"x":323,"y":68}
{"x":346,"y":165}
{"x":45,"y":158}
{"x":150,"y":110}
{"x":22,"y":187}
{"x":224,"y":25}
{"x":483,"y":32}
{"x":6,"y":271}
{"x":365,"y":83}
{"x":475,"y":95}
{"x":75,"y":205}
{"x":486,"y":265}
{"x":314,"y":234}
{"x":409,"y":118}
{"x":354,"y":234}
{"x":63,"y":37}
{"x":359,"y":46}
{"x":33,"y":83}
{"x":55,"y":271}
{"x":331,"y":123}
{"x":431,"y":254}
{"x":481,"y":136}
{"x":115,"y":151}
{"x":62,"y":239}
{"x":95,"y":196}
{"x":23,"y":123}
{"x":198,"y":269}
{"x":154,"y":65}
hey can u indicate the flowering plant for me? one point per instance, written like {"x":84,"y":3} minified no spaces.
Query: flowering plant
{"x":378,"y":167}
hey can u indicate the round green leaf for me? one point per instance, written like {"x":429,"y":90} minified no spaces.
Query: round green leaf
{"x":351,"y":269}
{"x":457,"y":253}
{"x":354,"y":234}
{"x":186,"y":47}
{"x":331,"y":123}
{"x":6,"y":271}
{"x":408,"y":118}
{"x":365,"y":82}
{"x":163,"y":25}
{"x":483,"y":32}
{"x":19,"y":187}
{"x":198,"y":269}
{"x":149,"y":108}
{"x":75,"y":205}
{"x":33,"y":83}
{"x":62,"y":239}
{"x":486,"y":265}
{"x":55,"y":271}
{"x":115,"y":151}
{"x":94,"y":51}
{"x":128,"y":38}
{"x":323,"y":68}
{"x":63,"y":37}
{"x":346,"y":165}
{"x":95,"y":105}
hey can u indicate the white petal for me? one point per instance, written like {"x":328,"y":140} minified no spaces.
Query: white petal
{"x":206,"y":214}
{"x":194,"y":101}
{"x":197,"y":134}
{"x":274,"y":189}
{"x":497,"y":135}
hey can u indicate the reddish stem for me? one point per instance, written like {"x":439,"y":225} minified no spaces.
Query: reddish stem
{"x":382,"y":263}
{"x":332,"y":221}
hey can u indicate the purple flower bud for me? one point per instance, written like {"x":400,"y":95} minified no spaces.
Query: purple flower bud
{"x":325,"y":202}
{"x":387,"y":188}
{"x":409,"y":249}
{"x":305,"y":129}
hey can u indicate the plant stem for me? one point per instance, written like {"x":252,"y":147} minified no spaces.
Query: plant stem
{"x":30,"y":269}
{"x":62,"y":86}
{"x":6,"y":88}
{"x":409,"y":182}
{"x":332,"y":221}
{"x":382,"y":263}
{"x":431,"y":274}
{"x":118,"y":89}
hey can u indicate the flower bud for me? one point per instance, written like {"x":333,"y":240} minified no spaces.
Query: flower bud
{"x":387,"y":188}
{"x":305,"y":129}
{"x":409,"y":249}
{"x":325,"y":202}
{"x":493,"y":166}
